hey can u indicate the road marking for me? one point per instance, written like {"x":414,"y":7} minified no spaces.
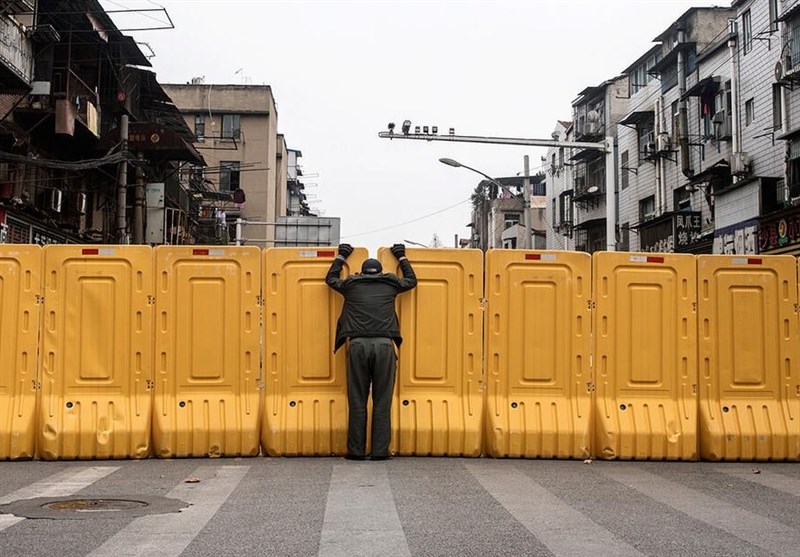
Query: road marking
{"x":360,"y":514}
{"x":563,"y":529}
{"x":778,"y":482}
{"x":64,"y":483}
{"x":170,"y":533}
{"x":740,"y":523}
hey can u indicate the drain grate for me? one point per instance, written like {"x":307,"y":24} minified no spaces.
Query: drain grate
{"x":60,"y":508}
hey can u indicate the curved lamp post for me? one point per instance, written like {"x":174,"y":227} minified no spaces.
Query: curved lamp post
{"x":527,"y":234}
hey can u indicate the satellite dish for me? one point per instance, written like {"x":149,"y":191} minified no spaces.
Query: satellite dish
{"x":778,"y":71}
{"x":593,"y":189}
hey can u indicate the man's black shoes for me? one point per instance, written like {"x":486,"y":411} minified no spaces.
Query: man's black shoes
{"x":354,"y":457}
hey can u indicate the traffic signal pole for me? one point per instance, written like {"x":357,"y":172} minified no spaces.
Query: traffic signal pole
{"x":606,"y":146}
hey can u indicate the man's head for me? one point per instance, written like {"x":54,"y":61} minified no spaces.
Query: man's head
{"x":371,"y":267}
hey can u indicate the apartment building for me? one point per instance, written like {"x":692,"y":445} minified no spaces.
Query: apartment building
{"x":236,"y":131}
{"x":675,"y":141}
{"x":559,"y":184}
{"x":596,"y":112}
{"x":69,"y":79}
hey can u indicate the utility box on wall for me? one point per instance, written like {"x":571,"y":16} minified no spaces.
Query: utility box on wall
{"x":154,"y":197}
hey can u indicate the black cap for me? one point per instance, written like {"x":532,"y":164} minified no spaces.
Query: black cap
{"x":371,"y":267}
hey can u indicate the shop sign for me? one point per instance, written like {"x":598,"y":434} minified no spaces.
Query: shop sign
{"x":779,"y":233}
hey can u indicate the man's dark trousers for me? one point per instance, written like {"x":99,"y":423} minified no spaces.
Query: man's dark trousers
{"x":370,"y":360}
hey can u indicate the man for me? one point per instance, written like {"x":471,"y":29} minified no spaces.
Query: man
{"x":370,"y":322}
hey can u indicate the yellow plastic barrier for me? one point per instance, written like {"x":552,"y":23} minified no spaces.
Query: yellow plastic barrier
{"x":20,"y":295}
{"x":96,"y":352}
{"x":439,"y":406}
{"x":305,"y":383}
{"x":749,"y":358}
{"x":207,"y":351}
{"x":645,"y":330}
{"x":538,"y":346}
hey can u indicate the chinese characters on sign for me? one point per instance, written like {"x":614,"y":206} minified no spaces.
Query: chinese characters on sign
{"x":779,"y":233}
{"x":673,"y":234}
{"x":687,"y":226}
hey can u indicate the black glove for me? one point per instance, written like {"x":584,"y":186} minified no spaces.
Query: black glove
{"x":345,"y":250}
{"x":398,"y":250}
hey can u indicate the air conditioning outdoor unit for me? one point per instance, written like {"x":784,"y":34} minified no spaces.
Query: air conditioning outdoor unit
{"x":649,"y":216}
{"x":740,"y":164}
{"x":55,"y":201}
{"x":649,"y":149}
{"x":663,"y":142}
{"x":80,"y":205}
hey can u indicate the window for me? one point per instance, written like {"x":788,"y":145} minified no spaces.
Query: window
{"x":647,"y":208}
{"x":777,"y":107}
{"x":231,"y":126}
{"x":623,"y":167}
{"x":747,"y":32}
{"x":794,"y":169}
{"x":639,"y":77}
{"x":715,"y":122}
{"x":554,"y":218}
{"x":229,"y":175}
{"x":748,"y":112}
{"x":565,"y":203}
{"x":510,"y":220}
{"x":682,"y":199}
{"x":596,"y":174}
{"x":200,"y":127}
{"x":795,"y":44}
{"x":647,"y":141}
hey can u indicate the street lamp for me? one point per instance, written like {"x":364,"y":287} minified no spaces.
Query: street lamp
{"x":527,"y":234}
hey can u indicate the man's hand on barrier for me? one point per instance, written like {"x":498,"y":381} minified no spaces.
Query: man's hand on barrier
{"x":345,"y":250}
{"x":398,"y":250}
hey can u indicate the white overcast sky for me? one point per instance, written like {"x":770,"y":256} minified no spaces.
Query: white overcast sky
{"x":340,"y":71}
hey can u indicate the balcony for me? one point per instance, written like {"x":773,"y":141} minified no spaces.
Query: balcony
{"x":16,"y":56}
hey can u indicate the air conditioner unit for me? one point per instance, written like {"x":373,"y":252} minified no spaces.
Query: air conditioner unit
{"x":663,"y":142}
{"x":649,"y":149}
{"x":649,"y":216}
{"x":740,"y":164}
{"x":55,"y":200}
{"x":591,"y":128}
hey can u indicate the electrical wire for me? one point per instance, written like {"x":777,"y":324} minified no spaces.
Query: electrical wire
{"x":407,"y":222}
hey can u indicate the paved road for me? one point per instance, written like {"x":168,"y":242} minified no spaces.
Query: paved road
{"x":407,"y":506}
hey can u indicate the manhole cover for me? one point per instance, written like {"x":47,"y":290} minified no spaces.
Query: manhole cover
{"x":95,"y":505}
{"x":60,"y":508}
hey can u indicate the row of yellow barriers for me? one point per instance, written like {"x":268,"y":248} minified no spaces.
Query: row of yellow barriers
{"x":128,"y":351}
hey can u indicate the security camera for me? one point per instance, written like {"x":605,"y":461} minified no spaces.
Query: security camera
{"x":406,"y":127}
{"x":391,"y":127}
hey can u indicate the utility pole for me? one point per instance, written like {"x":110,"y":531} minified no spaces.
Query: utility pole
{"x":122,"y":188}
{"x":527,"y":217}
{"x":138,"y":204}
{"x":606,"y":146}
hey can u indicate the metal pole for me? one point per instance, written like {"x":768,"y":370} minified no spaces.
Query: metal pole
{"x":239,"y":222}
{"x":494,"y":140}
{"x":611,"y":208}
{"x":138,"y":204}
{"x":122,"y":192}
{"x":526,"y":211}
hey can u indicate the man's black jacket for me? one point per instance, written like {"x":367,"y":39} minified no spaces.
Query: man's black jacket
{"x":369,"y":302}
